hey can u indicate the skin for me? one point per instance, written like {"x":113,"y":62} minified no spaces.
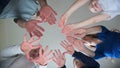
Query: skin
{"x":94,"y":8}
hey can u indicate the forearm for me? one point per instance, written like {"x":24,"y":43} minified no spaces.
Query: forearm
{"x":75,"y":6}
{"x":92,"y":20}
{"x":94,"y":30}
{"x":11,"y":51}
{"x":42,"y":2}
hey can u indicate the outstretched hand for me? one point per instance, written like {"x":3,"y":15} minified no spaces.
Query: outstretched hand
{"x":68,"y":28}
{"x":27,"y":46}
{"x":44,"y":56}
{"x":59,"y":58}
{"x":68,"y":47}
{"x":62,"y":21}
{"x":81,"y":32}
{"x":33,"y":28}
{"x":48,"y":14}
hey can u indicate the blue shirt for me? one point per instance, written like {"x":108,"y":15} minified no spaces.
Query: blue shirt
{"x":110,"y":46}
{"x":24,"y":9}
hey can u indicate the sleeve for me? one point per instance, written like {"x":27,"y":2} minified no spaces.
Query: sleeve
{"x":11,"y":51}
{"x":112,"y":14}
{"x":63,"y":66}
{"x":39,"y":66}
{"x":88,"y":61}
{"x":102,"y":35}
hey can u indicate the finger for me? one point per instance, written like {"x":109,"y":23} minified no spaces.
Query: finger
{"x":25,"y":37}
{"x":45,"y":50}
{"x":37,"y":33}
{"x":64,"y":46}
{"x":35,"y":47}
{"x":31,"y":39}
{"x":64,"y":53}
{"x":56,"y":53}
{"x":40,"y":28}
{"x":40,"y":52}
{"x":36,"y":41}
{"x":50,"y":52}
{"x":54,"y":11}
{"x":59,"y":52}
{"x":49,"y":60}
{"x":30,"y":34}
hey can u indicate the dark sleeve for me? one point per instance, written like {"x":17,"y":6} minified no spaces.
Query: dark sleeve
{"x":88,"y":61}
{"x":63,"y":66}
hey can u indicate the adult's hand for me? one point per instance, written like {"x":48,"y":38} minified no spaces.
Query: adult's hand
{"x":27,"y":46}
{"x":33,"y":28}
{"x":48,"y":14}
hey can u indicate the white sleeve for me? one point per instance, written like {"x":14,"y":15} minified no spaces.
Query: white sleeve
{"x":39,"y":66}
{"x":11,"y":51}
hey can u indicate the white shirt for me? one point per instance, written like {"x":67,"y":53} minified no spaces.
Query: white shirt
{"x":16,"y":62}
{"x":110,"y":7}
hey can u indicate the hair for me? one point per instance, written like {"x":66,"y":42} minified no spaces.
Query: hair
{"x":78,"y":63}
{"x":34,"y":53}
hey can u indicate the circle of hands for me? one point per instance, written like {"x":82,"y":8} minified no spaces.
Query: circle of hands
{"x":36,"y":53}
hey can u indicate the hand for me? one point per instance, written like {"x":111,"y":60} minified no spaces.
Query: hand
{"x":27,"y":46}
{"x":79,"y":44}
{"x":33,"y":28}
{"x":43,"y":58}
{"x":48,"y":14}
{"x":68,"y":28}
{"x":68,"y":47}
{"x":62,"y":21}
{"x":59,"y":58}
{"x":81,"y":32}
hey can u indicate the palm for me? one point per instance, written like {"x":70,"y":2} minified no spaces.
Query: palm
{"x":68,"y":28}
{"x":27,"y":46}
{"x":59,"y":58}
{"x":48,"y":14}
{"x":62,"y":21}
{"x":43,"y":58}
{"x":33,"y":28}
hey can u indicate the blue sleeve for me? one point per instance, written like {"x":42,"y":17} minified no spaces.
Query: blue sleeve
{"x":88,"y":61}
{"x":102,"y":35}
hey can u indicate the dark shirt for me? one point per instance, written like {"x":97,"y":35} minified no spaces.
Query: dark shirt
{"x":88,"y":61}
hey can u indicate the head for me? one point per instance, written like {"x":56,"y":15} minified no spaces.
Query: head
{"x":94,"y":6}
{"x":77,"y":63}
{"x":91,"y":40}
{"x":34,"y":53}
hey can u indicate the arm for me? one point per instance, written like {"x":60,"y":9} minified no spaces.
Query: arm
{"x":92,"y":20}
{"x":42,"y":2}
{"x":75,"y":6}
{"x":95,"y":19}
{"x":88,"y":61}
{"x":11,"y":51}
{"x":31,"y":26}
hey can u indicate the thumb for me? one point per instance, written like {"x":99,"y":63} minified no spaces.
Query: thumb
{"x":65,"y":53}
